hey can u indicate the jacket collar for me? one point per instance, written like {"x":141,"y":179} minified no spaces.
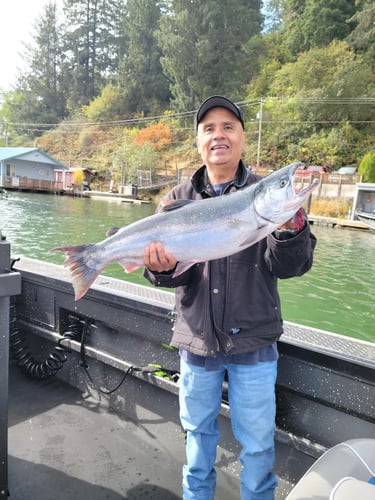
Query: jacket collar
{"x":200,"y":182}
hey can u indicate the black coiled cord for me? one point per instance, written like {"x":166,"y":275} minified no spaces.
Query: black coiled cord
{"x":23,"y":358}
{"x":78,"y":330}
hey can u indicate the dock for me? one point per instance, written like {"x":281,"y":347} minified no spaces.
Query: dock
{"x":319,"y":220}
{"x":116,"y":196}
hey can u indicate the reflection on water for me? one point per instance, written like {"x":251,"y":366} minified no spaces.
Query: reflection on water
{"x":336,"y":295}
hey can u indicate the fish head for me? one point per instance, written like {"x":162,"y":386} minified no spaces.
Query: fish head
{"x":276,"y":200}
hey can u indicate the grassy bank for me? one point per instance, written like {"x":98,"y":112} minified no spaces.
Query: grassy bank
{"x":330,"y":207}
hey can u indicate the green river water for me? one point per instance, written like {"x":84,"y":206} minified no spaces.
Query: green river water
{"x":337,"y":295}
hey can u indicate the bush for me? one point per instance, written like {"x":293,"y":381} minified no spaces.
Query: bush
{"x":330,"y":207}
{"x":367,"y":168}
{"x":157,"y":134}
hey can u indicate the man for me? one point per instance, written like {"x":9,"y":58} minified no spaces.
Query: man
{"x":228,"y":318}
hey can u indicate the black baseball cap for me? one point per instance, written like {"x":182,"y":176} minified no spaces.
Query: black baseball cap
{"x":218,"y":101}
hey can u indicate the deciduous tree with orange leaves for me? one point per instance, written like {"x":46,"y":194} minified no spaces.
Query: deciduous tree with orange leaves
{"x":157,"y":134}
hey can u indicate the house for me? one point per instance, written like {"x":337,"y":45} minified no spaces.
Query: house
{"x":68,"y":178}
{"x":29,"y":169}
{"x":364,"y":198}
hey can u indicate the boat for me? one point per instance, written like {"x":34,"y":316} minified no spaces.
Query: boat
{"x":92,"y":405}
{"x":344,"y":472}
{"x":366,"y":217}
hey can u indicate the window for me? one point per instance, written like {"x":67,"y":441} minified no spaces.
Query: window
{"x":10,"y":170}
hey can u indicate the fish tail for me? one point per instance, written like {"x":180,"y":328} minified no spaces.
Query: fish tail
{"x":83,"y":276}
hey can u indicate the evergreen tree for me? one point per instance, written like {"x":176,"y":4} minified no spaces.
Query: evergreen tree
{"x":315,"y":23}
{"x":93,"y":42}
{"x":141,"y":77}
{"x":40,"y":88}
{"x":272,"y":16}
{"x":362,"y":38}
{"x":204,"y":45}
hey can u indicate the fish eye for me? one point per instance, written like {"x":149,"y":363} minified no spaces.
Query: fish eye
{"x":283,"y":183}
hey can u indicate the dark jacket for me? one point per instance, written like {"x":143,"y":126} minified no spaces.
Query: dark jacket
{"x":232,"y":304}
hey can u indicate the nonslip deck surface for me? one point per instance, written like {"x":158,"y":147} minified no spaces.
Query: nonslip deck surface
{"x":63,"y":445}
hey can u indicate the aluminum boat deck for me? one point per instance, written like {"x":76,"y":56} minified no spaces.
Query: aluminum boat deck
{"x":74,"y":436}
{"x":65,"y":444}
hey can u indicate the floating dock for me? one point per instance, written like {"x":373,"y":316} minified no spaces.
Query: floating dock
{"x":336,"y":222}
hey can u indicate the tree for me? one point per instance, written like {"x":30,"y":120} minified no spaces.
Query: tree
{"x":143,"y":85}
{"x":134,"y":158}
{"x":93,"y":41}
{"x":10,"y":134}
{"x":328,"y":84}
{"x":203,"y":43}
{"x":362,"y":38}
{"x":41,"y":87}
{"x":367,"y":167}
{"x":321,"y":109}
{"x":106,"y":107}
{"x":272,"y":16}
{"x":156,"y":134}
{"x":79,"y":177}
{"x":315,"y":23}
{"x":271,"y":57}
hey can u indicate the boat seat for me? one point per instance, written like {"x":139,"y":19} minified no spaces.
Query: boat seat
{"x":344,"y":472}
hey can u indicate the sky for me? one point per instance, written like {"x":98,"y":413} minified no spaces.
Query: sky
{"x":17,"y":20}
{"x":17,"y":24}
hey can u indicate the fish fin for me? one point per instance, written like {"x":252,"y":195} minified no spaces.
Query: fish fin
{"x":76,"y":261}
{"x":168,"y":206}
{"x":129,"y":267}
{"x":182,"y":267}
{"x":112,"y":231}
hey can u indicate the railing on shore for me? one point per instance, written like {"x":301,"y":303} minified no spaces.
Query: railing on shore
{"x":26,"y":184}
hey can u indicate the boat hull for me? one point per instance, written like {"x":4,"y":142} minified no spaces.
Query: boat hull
{"x":324,"y":389}
{"x":367,"y":218}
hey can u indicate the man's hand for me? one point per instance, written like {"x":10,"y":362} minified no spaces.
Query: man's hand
{"x":156,"y":259}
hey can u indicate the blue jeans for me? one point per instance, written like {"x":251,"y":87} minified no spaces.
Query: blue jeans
{"x":251,"y":391}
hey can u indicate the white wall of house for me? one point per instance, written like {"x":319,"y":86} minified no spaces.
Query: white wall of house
{"x":34,"y":165}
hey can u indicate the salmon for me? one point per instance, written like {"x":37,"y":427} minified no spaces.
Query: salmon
{"x":193,"y":230}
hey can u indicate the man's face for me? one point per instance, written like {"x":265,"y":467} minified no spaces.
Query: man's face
{"x":220,"y":138}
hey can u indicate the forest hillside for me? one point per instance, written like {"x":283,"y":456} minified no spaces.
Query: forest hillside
{"x":112,"y":85}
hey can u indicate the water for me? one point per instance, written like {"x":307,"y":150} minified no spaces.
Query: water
{"x":35,"y":223}
{"x":336,"y":295}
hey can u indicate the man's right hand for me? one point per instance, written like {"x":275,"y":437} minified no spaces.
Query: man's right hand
{"x":157,"y":259}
